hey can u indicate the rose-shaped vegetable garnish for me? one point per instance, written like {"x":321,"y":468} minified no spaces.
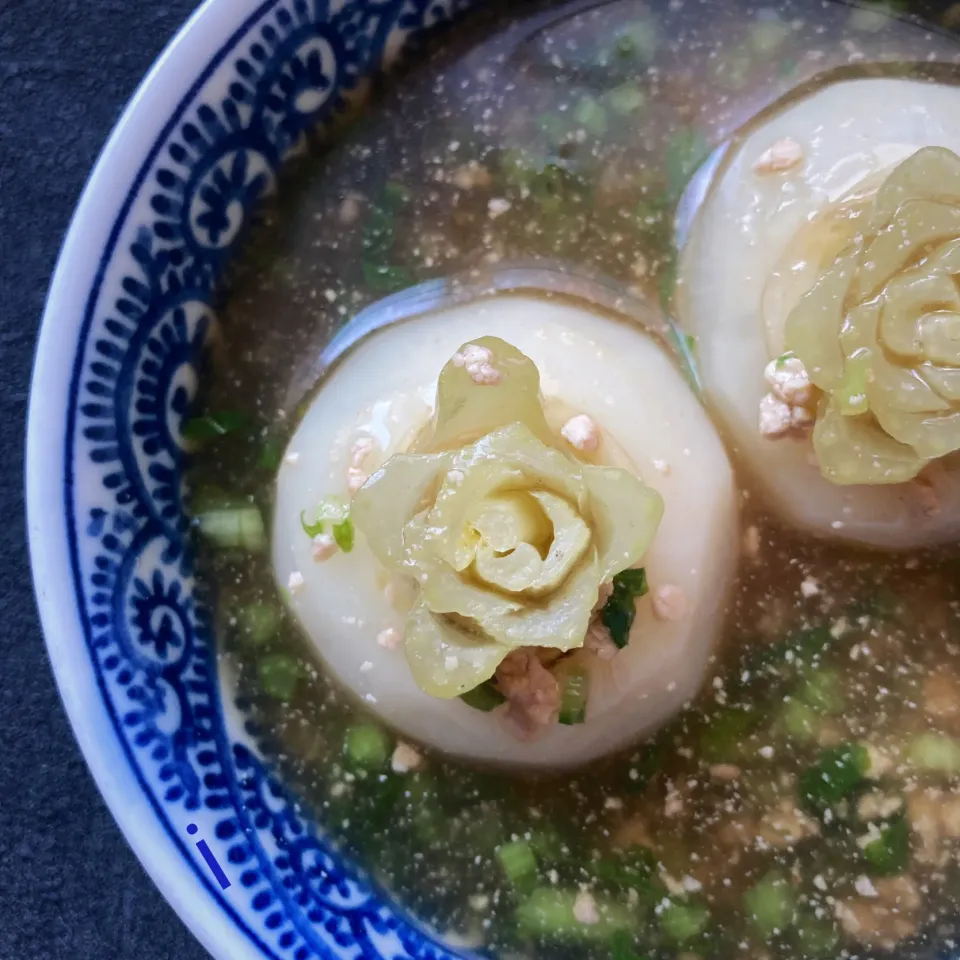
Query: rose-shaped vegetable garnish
{"x":879,"y":333}
{"x":509,"y":537}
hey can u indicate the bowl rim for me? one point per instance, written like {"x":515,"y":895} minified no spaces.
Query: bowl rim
{"x":158,"y":105}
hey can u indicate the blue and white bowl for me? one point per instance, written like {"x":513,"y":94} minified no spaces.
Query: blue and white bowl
{"x":235,"y":95}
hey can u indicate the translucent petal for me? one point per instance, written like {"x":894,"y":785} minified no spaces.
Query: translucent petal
{"x":512,"y":572}
{"x":813,"y":327}
{"x":445,"y":659}
{"x":929,"y":435}
{"x":945,"y":381}
{"x":446,"y":590}
{"x":571,"y":540}
{"x":902,"y":388}
{"x":560,"y":622}
{"x":467,"y":410}
{"x":940,"y":336}
{"x":624,"y":515}
{"x":391,"y":497}
{"x":905,"y":300}
{"x":945,"y":259}
{"x":505,"y":521}
{"x":916,"y":225}
{"x":813,"y":250}
{"x":509,"y":458}
{"x":854,"y":450}
{"x":932,"y":172}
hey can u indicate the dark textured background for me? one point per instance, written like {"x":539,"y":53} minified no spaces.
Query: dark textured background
{"x":69,"y":885}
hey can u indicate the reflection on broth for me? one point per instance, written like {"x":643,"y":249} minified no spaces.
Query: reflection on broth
{"x":796,"y":795}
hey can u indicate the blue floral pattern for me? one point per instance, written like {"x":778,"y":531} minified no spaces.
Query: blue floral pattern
{"x":293,"y":69}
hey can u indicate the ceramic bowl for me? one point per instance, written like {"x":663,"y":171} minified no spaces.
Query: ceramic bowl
{"x":199,"y":145}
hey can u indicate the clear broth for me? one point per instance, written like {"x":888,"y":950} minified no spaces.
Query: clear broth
{"x":580,"y":127}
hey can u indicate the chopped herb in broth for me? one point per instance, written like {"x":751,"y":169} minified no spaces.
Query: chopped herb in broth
{"x":807,"y":803}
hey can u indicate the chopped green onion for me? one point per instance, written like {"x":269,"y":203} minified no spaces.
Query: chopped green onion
{"x":555,"y":127}
{"x":547,"y":844}
{"x":344,"y":534}
{"x":823,"y":690}
{"x":519,"y":167}
{"x":874,"y":18}
{"x":626,"y":99}
{"x":423,"y":808}
{"x":687,"y":150}
{"x":311,"y":529}
{"x":548,"y":914}
{"x":815,"y":936}
{"x":233,"y":528}
{"x":799,"y":721}
{"x":880,"y":606}
{"x":395,"y":194}
{"x":838,"y":773}
{"x":667,"y":286}
{"x":890,"y":852}
{"x":258,"y":622}
{"x":270,"y":455}
{"x":681,"y":921}
{"x":787,"y":67}
{"x":767,"y":36}
{"x":722,"y":741}
{"x":484,"y":697}
{"x":732,"y":70}
{"x":634,"y":580}
{"x":337,"y":514}
{"x":783,"y":358}
{"x":620,"y":610}
{"x":634,"y":868}
{"x":366,"y":746}
{"x":384,"y":278}
{"x":801,"y":650}
{"x":621,"y":946}
{"x":379,"y":234}
{"x":573,"y":697}
{"x":637,"y":40}
{"x":590,"y":115}
{"x":935,"y":753}
{"x":518,"y":863}
{"x":211,"y":497}
{"x":771,"y":904}
{"x":212,"y":425}
{"x":278,"y":674}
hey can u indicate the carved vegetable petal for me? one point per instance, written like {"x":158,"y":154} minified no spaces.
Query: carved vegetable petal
{"x":560,"y":622}
{"x":509,"y":458}
{"x":932,"y":172}
{"x":814,"y":325}
{"x":505,"y":521}
{"x":855,"y":450}
{"x":905,"y":301}
{"x":444,"y":589}
{"x":445,"y":660}
{"x":513,"y":572}
{"x":467,"y":411}
{"x":916,"y":225}
{"x":391,"y":497}
{"x":625,"y":515}
{"x":571,"y":540}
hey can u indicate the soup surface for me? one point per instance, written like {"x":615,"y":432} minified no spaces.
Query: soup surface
{"x":807,"y":802}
